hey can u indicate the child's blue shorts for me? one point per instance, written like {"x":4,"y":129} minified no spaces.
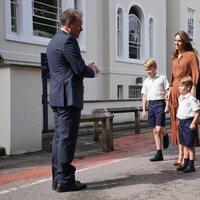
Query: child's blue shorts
{"x":156,"y":114}
{"x":187,"y":136}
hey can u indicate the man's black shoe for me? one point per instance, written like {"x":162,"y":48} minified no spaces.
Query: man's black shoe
{"x":77,"y":185}
{"x":157,"y":157}
{"x":165,"y":141}
{"x":54,"y":185}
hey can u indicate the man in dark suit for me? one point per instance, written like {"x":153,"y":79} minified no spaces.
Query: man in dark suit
{"x":67,"y":70}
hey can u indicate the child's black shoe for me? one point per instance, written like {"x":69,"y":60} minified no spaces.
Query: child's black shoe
{"x":157,"y":157}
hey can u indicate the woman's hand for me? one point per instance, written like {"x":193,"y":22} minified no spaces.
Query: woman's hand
{"x":167,"y":96}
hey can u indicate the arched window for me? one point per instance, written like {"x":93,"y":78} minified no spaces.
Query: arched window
{"x":134,"y":34}
{"x":120,"y":33}
{"x":151,"y":38}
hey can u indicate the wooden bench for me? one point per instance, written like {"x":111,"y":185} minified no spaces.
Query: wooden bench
{"x":106,"y":120}
{"x":135,"y":110}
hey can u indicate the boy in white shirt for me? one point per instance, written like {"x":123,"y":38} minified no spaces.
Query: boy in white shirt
{"x":154,"y":90}
{"x":188,"y":115}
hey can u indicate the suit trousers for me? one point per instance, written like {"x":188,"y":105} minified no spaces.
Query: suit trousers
{"x":67,"y":120}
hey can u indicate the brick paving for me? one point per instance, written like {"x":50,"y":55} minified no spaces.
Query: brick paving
{"x":124,"y":146}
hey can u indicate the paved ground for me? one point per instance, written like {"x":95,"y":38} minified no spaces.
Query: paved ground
{"x":123,"y":174}
{"x":88,"y":152}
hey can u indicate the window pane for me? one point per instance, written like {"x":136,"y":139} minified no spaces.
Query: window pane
{"x":46,"y":17}
{"x":120,"y":92}
{"x":14,"y":15}
{"x":134,"y":92}
{"x":119,"y":33}
{"x":75,"y":4}
{"x":191,"y":23}
{"x":134,"y":37}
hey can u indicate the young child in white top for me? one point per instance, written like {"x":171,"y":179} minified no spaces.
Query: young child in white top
{"x":188,"y":115}
{"x":153,"y":93}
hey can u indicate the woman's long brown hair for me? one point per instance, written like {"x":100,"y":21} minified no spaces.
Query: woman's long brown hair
{"x":186,"y":42}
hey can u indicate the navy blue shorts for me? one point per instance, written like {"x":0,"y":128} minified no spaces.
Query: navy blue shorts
{"x":156,"y":114}
{"x":187,"y":137}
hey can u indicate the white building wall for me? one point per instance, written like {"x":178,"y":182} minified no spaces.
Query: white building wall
{"x":21,"y":110}
{"x":177,"y":21}
{"x":94,"y":88}
{"x":124,"y":72}
{"x":5,"y":109}
{"x":21,"y":118}
{"x":26,"y":110}
{"x":195,"y":5}
{"x":15,"y":49}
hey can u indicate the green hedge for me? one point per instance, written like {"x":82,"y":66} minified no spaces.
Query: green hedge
{"x":1,"y":59}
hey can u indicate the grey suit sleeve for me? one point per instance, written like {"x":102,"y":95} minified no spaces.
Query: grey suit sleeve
{"x":72,"y":54}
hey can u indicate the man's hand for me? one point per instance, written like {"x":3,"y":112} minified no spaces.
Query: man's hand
{"x":92,"y":65}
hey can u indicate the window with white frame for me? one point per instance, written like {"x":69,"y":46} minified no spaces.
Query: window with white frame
{"x":36,"y":21}
{"x":46,"y":17}
{"x":129,"y":34}
{"x":134,"y":92}
{"x":119,"y":33}
{"x":120,"y":92}
{"x":190,"y":23}
{"x":14,"y":15}
{"x":134,"y":34}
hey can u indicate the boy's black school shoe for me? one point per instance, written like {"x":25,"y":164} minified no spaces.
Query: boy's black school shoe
{"x":189,"y":169}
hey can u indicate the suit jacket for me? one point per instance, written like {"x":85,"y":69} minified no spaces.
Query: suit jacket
{"x":67,"y":70}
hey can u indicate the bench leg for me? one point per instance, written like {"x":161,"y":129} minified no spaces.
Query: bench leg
{"x":96,"y":131}
{"x":109,"y":129}
{"x":104,"y":137}
{"x":137,"y":122}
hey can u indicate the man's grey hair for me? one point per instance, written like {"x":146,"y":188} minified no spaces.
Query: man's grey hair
{"x":70,"y":15}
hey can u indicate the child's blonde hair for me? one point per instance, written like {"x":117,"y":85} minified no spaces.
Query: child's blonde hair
{"x":149,"y":63}
{"x":186,"y":81}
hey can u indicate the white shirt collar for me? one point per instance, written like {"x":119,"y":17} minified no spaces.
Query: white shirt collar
{"x":185,"y":96}
{"x":62,"y":29}
{"x":156,"y":75}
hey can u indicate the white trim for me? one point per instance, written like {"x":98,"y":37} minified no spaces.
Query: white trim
{"x":82,"y":37}
{"x":27,"y":58}
{"x":119,"y":6}
{"x":143,"y":51}
{"x":189,"y":10}
{"x":153,"y":42}
{"x":26,"y":19}
{"x":131,"y":61}
{"x":33,"y":40}
{"x":25,"y":27}
{"x":7,"y":12}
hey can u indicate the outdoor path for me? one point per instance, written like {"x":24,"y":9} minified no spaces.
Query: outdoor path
{"x":26,"y":167}
{"x":123,"y":174}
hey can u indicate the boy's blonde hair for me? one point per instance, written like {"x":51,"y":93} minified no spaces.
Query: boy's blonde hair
{"x":186,"y":81}
{"x":149,"y":63}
